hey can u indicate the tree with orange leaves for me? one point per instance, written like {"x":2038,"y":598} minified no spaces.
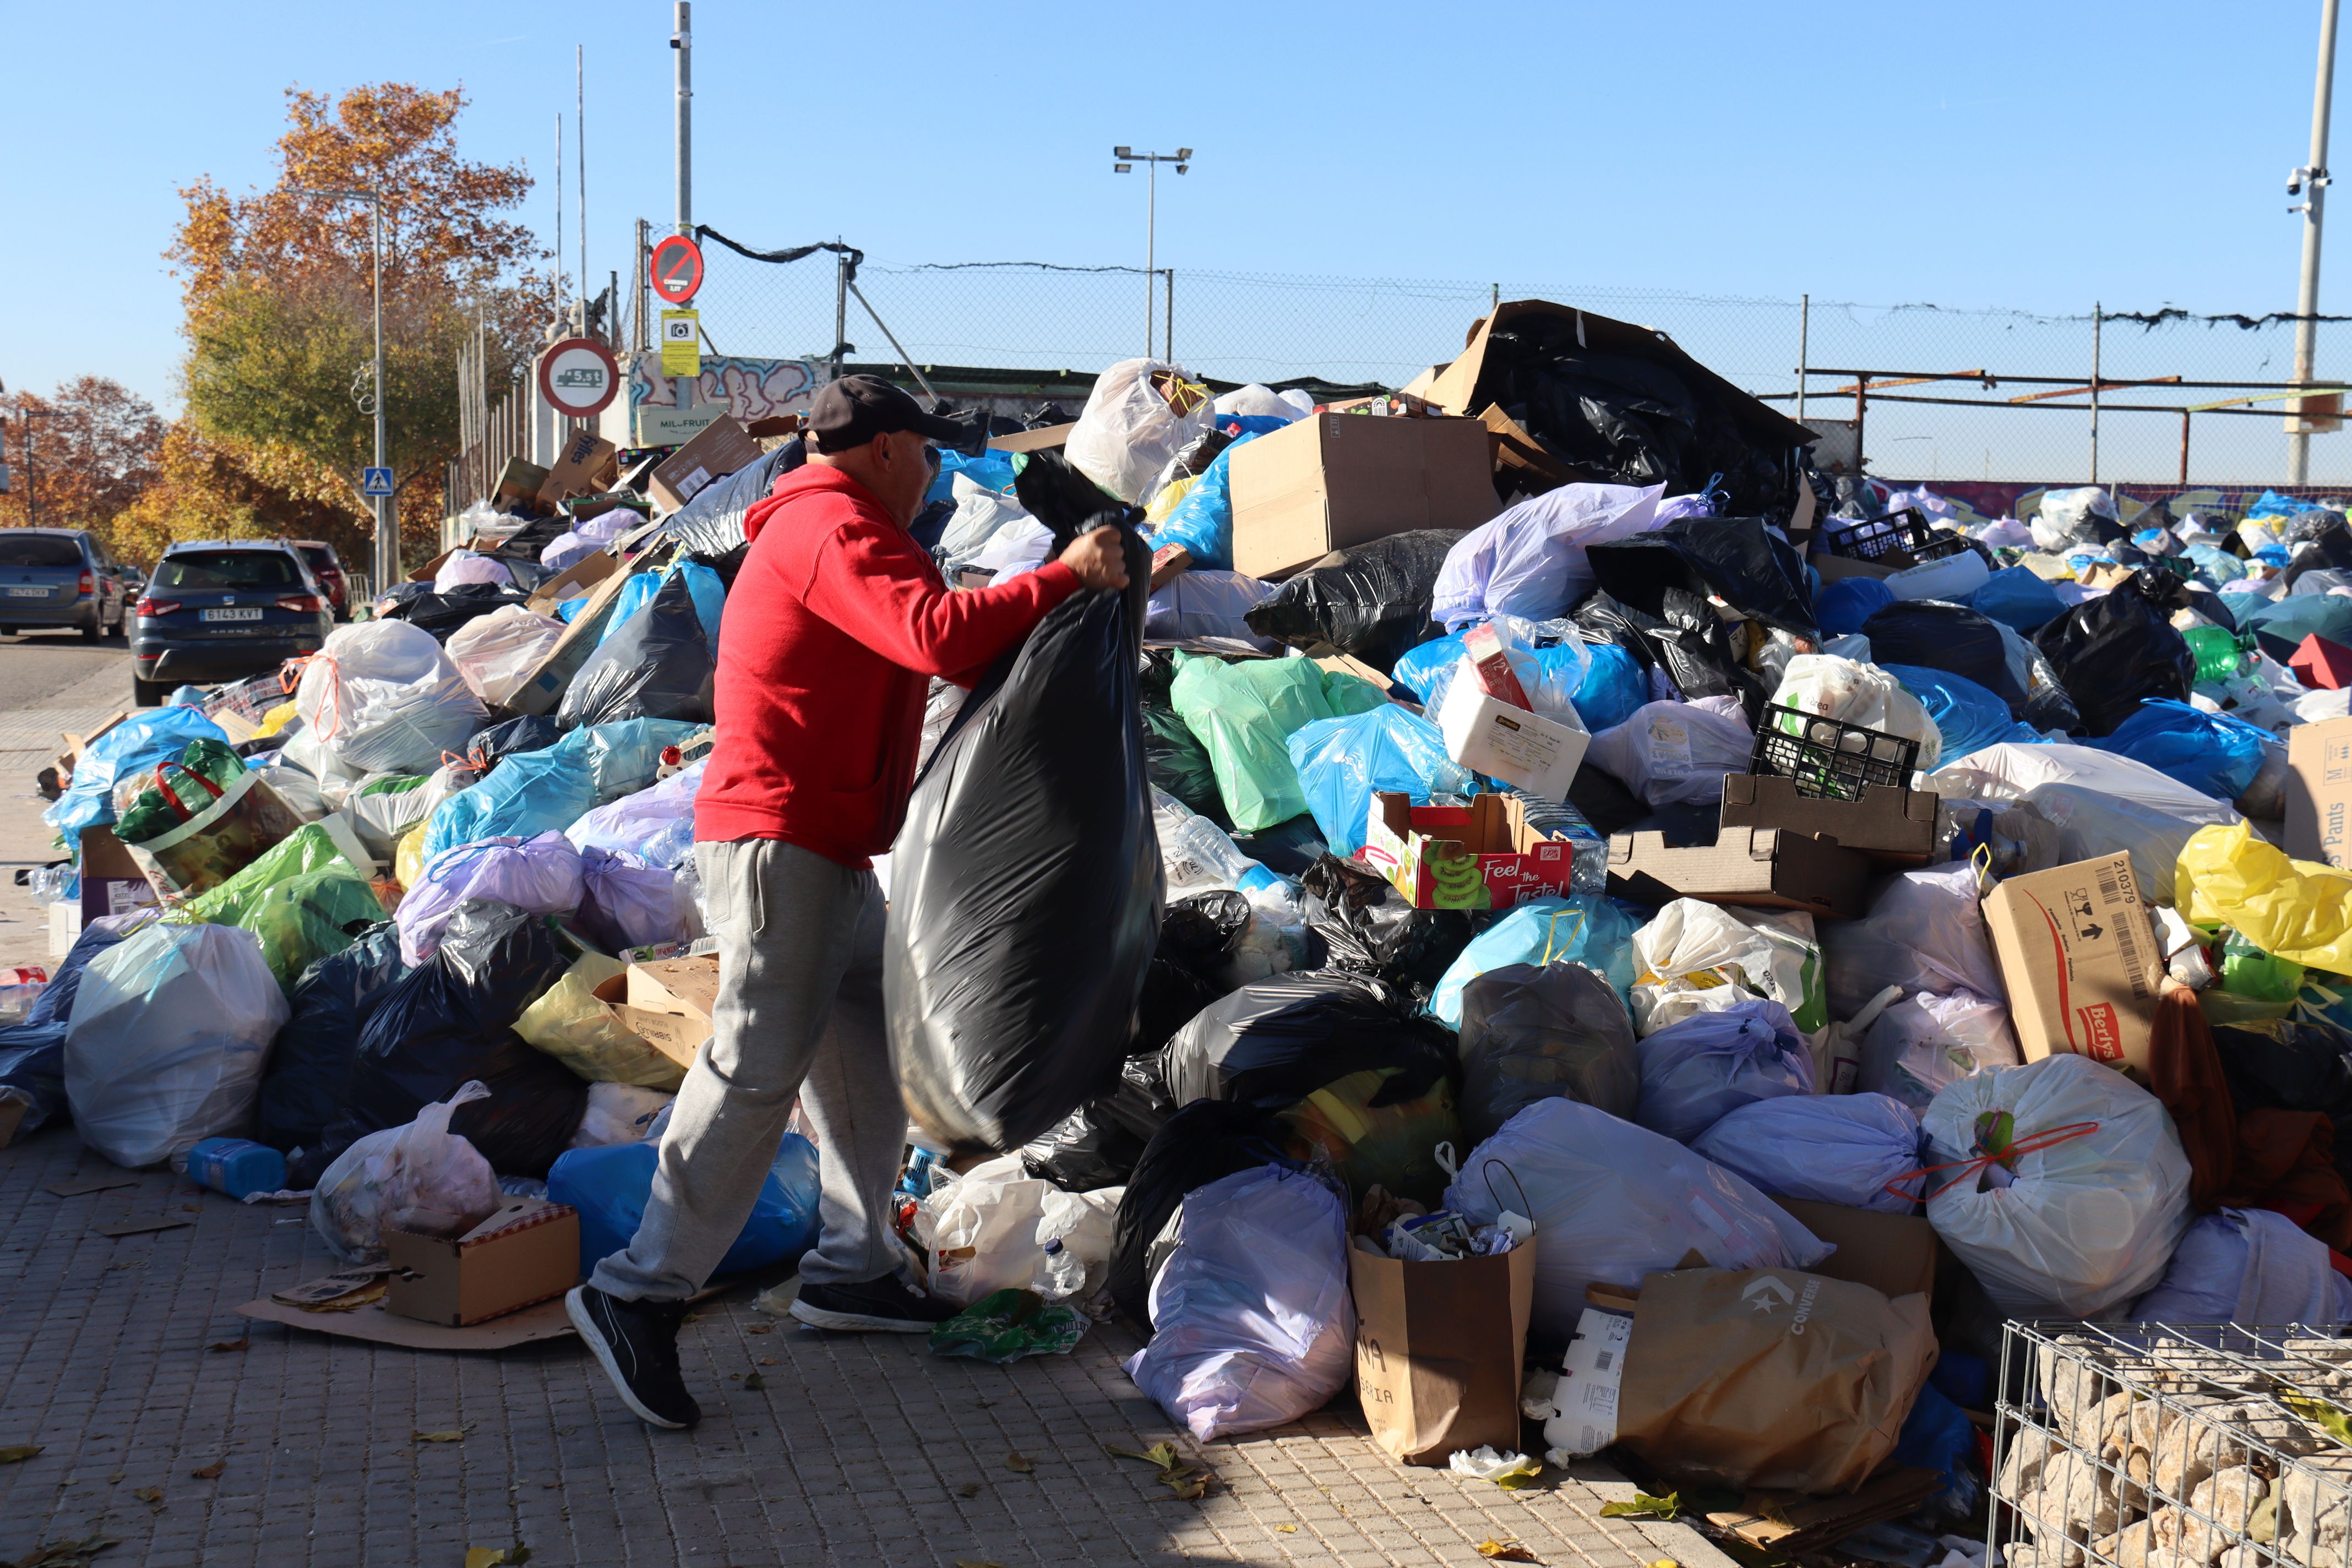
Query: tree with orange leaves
{"x":81,"y":455}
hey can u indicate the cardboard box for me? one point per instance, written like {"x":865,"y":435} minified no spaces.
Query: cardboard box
{"x":717,"y":450}
{"x":1894,"y":1254}
{"x":658,"y":426}
{"x":666,"y":1002}
{"x":520,"y":480}
{"x":1332,"y":481}
{"x":1893,"y":826}
{"x":65,"y":928}
{"x":1482,"y":856}
{"x":2321,"y":665}
{"x":525,"y":1253}
{"x":1537,"y":752}
{"x":2080,"y":959}
{"x":1052,"y":435}
{"x":1833,"y":567}
{"x":111,"y":881}
{"x":587,"y":463}
{"x":2319,"y":791}
{"x":581,"y":575}
{"x":1753,"y":867}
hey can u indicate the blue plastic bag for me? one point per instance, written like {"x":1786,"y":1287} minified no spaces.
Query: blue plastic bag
{"x":1203,"y":521}
{"x":532,"y":793}
{"x":703,"y":585}
{"x":2280,"y":626}
{"x":1342,"y":762}
{"x":1424,"y":668}
{"x":1841,"y":607}
{"x":1969,"y":717}
{"x":1838,"y":1149}
{"x":991,"y":470}
{"x":1936,"y":1436}
{"x":2269,"y":503}
{"x":1552,"y":674}
{"x":2213,"y":753}
{"x":2214,"y":567}
{"x":142,"y":740}
{"x":611,"y":1185}
{"x":1614,"y":686}
{"x":33,"y":1053}
{"x":1698,"y":1072}
{"x":1594,"y":931}
{"x":2018,"y":599}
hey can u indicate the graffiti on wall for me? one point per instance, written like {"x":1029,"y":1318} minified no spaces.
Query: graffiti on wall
{"x":750,"y":388}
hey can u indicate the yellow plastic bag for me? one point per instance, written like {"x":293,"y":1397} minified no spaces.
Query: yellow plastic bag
{"x":408,"y":856}
{"x":274,"y":720}
{"x":1165,"y":502}
{"x":2295,"y":909}
{"x":569,"y":1024}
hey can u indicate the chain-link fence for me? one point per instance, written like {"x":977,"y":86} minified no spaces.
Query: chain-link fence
{"x":2225,"y":373}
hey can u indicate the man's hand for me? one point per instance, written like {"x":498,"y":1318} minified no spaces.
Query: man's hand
{"x":1098,"y":558}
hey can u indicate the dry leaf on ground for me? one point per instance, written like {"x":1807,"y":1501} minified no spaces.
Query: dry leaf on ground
{"x":1505,"y":1551}
{"x":210,"y":1472}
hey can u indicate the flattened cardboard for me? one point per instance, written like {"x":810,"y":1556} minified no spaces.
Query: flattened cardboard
{"x":520,"y":480}
{"x":111,"y":881}
{"x":576,"y":578}
{"x":585,"y":464}
{"x":659,"y":425}
{"x":1537,"y":752}
{"x":1033,"y":440}
{"x":1332,"y":481}
{"x":2319,"y":791}
{"x":1482,"y":855}
{"x":527,"y":1252}
{"x":1894,"y":1254}
{"x":715,"y":451}
{"x":1893,"y":826}
{"x":1789,"y":1524}
{"x":1753,"y":867}
{"x":545,"y":1321}
{"x":2080,"y":960}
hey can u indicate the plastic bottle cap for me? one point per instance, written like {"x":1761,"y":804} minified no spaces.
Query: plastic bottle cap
{"x":1257,"y":877}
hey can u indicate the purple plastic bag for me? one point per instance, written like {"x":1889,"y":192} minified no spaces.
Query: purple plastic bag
{"x":627,"y":901}
{"x":540,"y":876}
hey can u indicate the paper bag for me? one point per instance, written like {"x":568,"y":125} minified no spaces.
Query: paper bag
{"x":1438,"y":1350}
{"x":1769,"y":1377}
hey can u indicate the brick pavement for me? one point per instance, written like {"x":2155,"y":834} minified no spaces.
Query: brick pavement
{"x":854,"y":1449}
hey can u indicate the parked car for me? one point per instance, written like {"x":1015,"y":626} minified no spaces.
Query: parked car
{"x":328,"y":568}
{"x":58,"y":577}
{"x":223,"y":609}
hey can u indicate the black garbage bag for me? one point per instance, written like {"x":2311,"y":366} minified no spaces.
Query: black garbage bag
{"x":1026,"y":885}
{"x":535,"y":1106}
{"x":302,"y":1092}
{"x":2112,"y":652}
{"x":1689,"y":641}
{"x":531,"y":732}
{"x":1066,"y":502}
{"x":1554,"y":1031}
{"x":1085,"y":1153}
{"x":2331,"y":549}
{"x":1197,"y":1145}
{"x":657,"y":664}
{"x":1949,"y":637}
{"x":1140,"y":1101}
{"x":1198,"y":936}
{"x":33,"y":1052}
{"x":1369,"y":928}
{"x":711,"y":524}
{"x":442,"y":614}
{"x":1369,"y":601}
{"x":449,"y":1019}
{"x":2301,"y":525}
{"x":1277,"y":1040}
{"x":1752,"y":569}
{"x":1175,"y":761}
{"x":524,"y":547}
{"x":1286,"y":848}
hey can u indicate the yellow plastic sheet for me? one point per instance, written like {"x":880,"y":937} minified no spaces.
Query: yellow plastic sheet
{"x":2295,"y":909}
{"x":408,"y":856}
{"x":274,"y":720}
{"x":1165,"y":502}
{"x":570,"y":1024}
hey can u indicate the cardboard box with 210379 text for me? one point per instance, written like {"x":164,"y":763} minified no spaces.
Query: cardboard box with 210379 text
{"x":2081,"y":961}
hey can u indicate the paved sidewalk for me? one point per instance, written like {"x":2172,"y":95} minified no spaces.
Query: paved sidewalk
{"x":856,"y":1450}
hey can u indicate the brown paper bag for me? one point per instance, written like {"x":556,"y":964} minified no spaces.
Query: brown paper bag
{"x":1769,"y":1377}
{"x":1439,"y":1348}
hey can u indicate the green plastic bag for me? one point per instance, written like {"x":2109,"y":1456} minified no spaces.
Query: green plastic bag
{"x":1245,"y":711}
{"x":151,"y":812}
{"x":297,"y":899}
{"x":1006,"y":1325}
{"x":2247,"y":971}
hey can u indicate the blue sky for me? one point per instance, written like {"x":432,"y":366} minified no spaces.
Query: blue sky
{"x":2030,"y":156}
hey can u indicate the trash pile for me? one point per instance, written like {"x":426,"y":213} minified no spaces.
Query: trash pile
{"x":1540,"y":877}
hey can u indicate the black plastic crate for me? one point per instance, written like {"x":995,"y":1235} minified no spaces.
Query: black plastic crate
{"x":1829,"y":758}
{"x":1908,"y":531}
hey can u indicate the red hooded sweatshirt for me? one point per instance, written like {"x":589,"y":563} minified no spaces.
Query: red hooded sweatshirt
{"x":833,"y":628}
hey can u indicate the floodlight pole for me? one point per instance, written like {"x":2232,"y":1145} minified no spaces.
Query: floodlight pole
{"x":1126,"y":159}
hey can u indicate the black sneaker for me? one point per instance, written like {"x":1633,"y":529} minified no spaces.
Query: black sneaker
{"x":638,"y":1343}
{"x":888,"y":1305}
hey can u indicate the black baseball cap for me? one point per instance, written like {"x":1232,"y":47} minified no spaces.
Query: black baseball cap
{"x":852,"y":410}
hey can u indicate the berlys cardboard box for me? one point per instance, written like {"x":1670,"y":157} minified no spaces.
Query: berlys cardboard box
{"x":2081,"y":961}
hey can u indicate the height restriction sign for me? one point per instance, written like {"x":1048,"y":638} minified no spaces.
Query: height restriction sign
{"x":677,"y":270}
{"x":681,"y":342}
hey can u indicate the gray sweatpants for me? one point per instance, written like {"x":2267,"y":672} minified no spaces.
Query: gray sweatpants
{"x":799,"y":1011}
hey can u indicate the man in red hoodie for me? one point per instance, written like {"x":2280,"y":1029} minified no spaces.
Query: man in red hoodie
{"x":834,"y":627}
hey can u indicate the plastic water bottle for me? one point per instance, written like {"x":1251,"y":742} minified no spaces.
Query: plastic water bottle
{"x":1196,"y":853}
{"x":1059,"y":1275}
{"x":236,"y":1166}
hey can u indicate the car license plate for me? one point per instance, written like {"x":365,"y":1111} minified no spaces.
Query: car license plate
{"x":252,"y":615}
{"x":29,"y":593}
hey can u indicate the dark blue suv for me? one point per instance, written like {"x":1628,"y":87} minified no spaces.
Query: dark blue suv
{"x":224,"y":609}
{"x":58,"y":577}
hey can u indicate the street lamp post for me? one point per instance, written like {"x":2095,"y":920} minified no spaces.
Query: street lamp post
{"x":1127,"y":158}
{"x":387,"y":530}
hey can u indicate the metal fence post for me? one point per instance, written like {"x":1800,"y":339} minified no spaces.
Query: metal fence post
{"x":2097,"y":311}
{"x":1804,"y":334}
{"x":840,"y":308}
{"x":1168,"y":332}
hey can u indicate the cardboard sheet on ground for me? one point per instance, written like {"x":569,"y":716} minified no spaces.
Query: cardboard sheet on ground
{"x":372,"y":1322}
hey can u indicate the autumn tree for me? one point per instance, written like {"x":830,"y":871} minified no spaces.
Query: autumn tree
{"x":81,"y":456}
{"x":280,"y":334}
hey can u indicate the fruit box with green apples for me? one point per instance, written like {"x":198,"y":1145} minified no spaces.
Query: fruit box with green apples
{"x":1482,"y":855}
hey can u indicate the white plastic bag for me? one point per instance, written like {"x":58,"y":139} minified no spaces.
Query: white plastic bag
{"x":1841,"y":1148}
{"x":383,"y":697}
{"x":418,"y":1176}
{"x":1259,"y":401}
{"x":1925,"y":931}
{"x":980,"y":512}
{"x":618,"y":1113}
{"x":2011,"y":771}
{"x":1697,"y":957}
{"x":1253,"y":1322}
{"x":170,"y":1030}
{"x":1703,"y":1069}
{"x":1832,"y":688}
{"x":1019,"y":545}
{"x":1128,"y":429}
{"x":1530,"y":562}
{"x":1922,"y":1043}
{"x":470,"y":567}
{"x":1612,"y":1201}
{"x":1677,"y":752}
{"x":1203,"y":604}
{"x":2249,"y":1267}
{"x":2089,"y":1216}
{"x":987,"y":1229}
{"x":1951,"y":579}
{"x":496,"y":653}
